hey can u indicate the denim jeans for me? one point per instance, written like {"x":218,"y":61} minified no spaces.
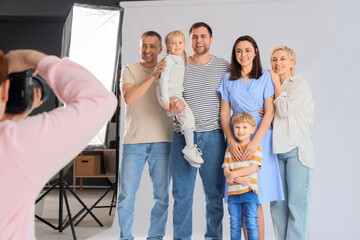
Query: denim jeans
{"x":212,"y":145}
{"x":290,"y":217}
{"x":132,"y":163}
{"x":245,"y":204}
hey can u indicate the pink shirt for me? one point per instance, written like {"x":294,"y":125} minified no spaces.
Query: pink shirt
{"x":35,"y":149}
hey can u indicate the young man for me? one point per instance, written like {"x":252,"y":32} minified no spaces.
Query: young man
{"x":202,"y":77}
{"x":148,"y":133}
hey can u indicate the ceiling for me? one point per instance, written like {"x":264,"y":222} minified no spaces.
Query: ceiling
{"x":43,"y":10}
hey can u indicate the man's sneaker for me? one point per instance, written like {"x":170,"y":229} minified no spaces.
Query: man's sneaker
{"x":193,"y":155}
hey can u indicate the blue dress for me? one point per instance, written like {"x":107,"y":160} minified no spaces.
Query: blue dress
{"x":250,"y":98}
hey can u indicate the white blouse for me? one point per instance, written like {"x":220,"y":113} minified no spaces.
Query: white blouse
{"x":293,"y":121}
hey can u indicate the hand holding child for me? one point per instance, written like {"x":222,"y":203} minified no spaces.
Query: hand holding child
{"x":176,"y":105}
{"x":250,"y":150}
{"x":236,"y":151}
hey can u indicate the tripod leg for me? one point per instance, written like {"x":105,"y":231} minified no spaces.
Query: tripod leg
{"x":113,"y":202}
{"x":84,"y":206}
{"x":93,"y":206}
{"x":39,"y":199}
{"x":61,"y":194}
{"x":45,"y":193}
{"x":69,"y":215}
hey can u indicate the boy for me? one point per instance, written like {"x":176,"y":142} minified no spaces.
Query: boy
{"x":242,"y":181}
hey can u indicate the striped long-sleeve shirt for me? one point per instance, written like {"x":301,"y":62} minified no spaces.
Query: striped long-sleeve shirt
{"x":294,"y":118}
{"x":236,"y":188}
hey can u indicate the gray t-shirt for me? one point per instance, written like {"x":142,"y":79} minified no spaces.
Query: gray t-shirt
{"x":200,"y":84}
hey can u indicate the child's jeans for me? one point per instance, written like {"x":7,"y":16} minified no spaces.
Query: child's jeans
{"x":245,"y":204}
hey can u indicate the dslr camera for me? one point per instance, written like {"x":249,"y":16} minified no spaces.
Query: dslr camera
{"x":21,"y":91}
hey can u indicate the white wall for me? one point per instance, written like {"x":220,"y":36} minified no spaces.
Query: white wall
{"x":325,"y":35}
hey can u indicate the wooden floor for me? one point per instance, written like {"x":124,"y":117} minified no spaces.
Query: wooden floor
{"x":88,"y":227}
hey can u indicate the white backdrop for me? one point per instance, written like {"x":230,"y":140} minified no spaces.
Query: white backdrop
{"x":325,"y":35}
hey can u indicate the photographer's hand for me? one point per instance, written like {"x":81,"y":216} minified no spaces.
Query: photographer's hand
{"x":20,"y":116}
{"x":21,"y":60}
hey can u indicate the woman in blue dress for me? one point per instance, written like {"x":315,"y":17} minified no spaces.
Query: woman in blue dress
{"x":248,"y":88}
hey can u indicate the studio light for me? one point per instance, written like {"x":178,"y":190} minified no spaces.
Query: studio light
{"x":91,"y":38}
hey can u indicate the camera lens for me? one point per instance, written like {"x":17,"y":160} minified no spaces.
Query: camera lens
{"x":39,"y":82}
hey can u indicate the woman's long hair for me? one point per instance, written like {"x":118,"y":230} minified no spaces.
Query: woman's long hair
{"x":235,"y":67}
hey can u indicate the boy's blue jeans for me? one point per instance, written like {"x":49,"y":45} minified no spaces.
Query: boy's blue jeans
{"x":245,"y":204}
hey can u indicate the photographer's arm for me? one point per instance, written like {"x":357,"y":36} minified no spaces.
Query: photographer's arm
{"x":45,"y":143}
{"x":21,"y":60}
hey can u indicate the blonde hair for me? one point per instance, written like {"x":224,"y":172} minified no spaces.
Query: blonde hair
{"x":289,"y":51}
{"x":244,"y":117}
{"x":167,"y":41}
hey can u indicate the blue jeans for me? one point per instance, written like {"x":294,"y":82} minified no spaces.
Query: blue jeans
{"x":132,"y":164}
{"x":245,"y":204}
{"x":212,"y":145}
{"x":290,"y":217}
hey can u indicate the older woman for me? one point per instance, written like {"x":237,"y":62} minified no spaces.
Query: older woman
{"x":293,"y":143}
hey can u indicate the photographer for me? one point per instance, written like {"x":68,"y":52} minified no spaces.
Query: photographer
{"x":34,"y":149}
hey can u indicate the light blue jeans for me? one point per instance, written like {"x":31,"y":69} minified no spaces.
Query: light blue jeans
{"x":291,"y":216}
{"x":246,"y":205}
{"x":132,"y":164}
{"x":212,"y":145}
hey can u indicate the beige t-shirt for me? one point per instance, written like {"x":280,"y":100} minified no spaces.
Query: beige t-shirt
{"x":145,"y":120}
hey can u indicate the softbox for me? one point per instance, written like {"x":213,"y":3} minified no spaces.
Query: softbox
{"x":91,"y":37}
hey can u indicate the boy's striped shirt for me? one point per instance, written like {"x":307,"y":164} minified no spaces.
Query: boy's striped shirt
{"x":236,"y":188}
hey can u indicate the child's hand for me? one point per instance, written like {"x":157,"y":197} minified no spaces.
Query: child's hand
{"x":230,"y":178}
{"x":242,"y":180}
{"x":166,"y":105}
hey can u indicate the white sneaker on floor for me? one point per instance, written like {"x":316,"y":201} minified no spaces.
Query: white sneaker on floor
{"x":193,"y":155}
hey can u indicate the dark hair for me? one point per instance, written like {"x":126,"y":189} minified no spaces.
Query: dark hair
{"x":152,"y":34}
{"x":201,"y":24}
{"x":235,"y":67}
{"x":3,"y":67}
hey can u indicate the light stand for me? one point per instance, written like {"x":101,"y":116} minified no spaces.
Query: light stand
{"x":64,"y":223}
{"x":86,"y":29}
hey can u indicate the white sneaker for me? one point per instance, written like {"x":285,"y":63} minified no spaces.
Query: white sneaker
{"x":193,"y":155}
{"x":193,"y":164}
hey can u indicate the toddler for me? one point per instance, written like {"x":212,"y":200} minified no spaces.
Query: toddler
{"x":170,"y":85}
